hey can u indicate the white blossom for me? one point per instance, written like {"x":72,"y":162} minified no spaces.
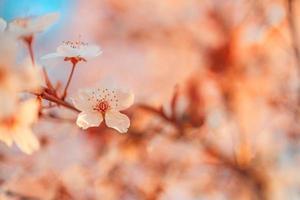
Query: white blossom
{"x":101,"y":104}
{"x":17,"y":127}
{"x":27,"y":27}
{"x":14,"y":77}
{"x":75,"y":50}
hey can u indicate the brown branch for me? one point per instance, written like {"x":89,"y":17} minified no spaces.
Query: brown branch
{"x":54,"y":99}
{"x":29,"y":41}
{"x":159,"y":113}
{"x":48,"y":82}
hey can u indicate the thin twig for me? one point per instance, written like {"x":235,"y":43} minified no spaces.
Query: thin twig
{"x":69,"y":80}
{"x":47,"y":80}
{"x":54,"y":99}
{"x":159,"y":113}
{"x":28,"y":41}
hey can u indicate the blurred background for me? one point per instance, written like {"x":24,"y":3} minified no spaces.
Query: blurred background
{"x":217,"y":111}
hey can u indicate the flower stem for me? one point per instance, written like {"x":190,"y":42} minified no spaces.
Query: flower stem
{"x":69,"y":80}
{"x":28,"y":41}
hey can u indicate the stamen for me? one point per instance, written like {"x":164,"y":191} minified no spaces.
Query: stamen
{"x":75,"y":44}
{"x":102,"y":106}
{"x":105,"y":100}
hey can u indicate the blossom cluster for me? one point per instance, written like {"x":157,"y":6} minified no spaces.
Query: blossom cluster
{"x":24,"y":86}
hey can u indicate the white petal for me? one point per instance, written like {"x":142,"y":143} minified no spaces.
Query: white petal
{"x":30,"y":77}
{"x":8,"y":102}
{"x":28,"y":112}
{"x":16,"y":29}
{"x":89,"y":119}
{"x":117,"y":120}
{"x":91,"y":51}
{"x":83,"y":100}
{"x":68,"y":51}
{"x":41,"y":23}
{"x":6,"y":136}
{"x":52,"y":55}
{"x":125,"y":99}
{"x":26,"y":140}
{"x":8,"y":50}
{"x":3,"y":25}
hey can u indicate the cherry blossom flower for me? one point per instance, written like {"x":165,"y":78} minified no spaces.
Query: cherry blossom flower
{"x":8,"y":48}
{"x":27,"y":27}
{"x":12,"y":83}
{"x":75,"y":51}
{"x":3,"y":24}
{"x":17,"y":127}
{"x":14,"y":78}
{"x":101,"y":104}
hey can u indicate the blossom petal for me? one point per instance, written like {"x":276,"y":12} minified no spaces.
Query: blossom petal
{"x":3,"y":25}
{"x":8,"y":102}
{"x":6,"y":136}
{"x":125,"y":99}
{"x":26,"y":140}
{"x":89,"y":119}
{"x":91,"y":51}
{"x":52,"y":55}
{"x":33,"y":25}
{"x":67,"y":51}
{"x":28,"y":112}
{"x":41,"y":23}
{"x":30,"y":78}
{"x":117,"y":120}
{"x":83,"y":100}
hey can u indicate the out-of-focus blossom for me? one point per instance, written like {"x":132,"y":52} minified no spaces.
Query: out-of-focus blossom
{"x":29,"y":77}
{"x":103,"y":103}
{"x":75,"y":51}
{"x":3,"y":25}
{"x":8,"y":49}
{"x":27,"y":27}
{"x":14,"y":78}
{"x":14,"y":81}
{"x":17,"y":127}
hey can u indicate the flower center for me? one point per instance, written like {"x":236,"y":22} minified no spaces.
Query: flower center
{"x":102,"y":106}
{"x":74,"y":60}
{"x":75,"y":44}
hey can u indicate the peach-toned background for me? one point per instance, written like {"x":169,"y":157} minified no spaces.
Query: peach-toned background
{"x":236,"y":57}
